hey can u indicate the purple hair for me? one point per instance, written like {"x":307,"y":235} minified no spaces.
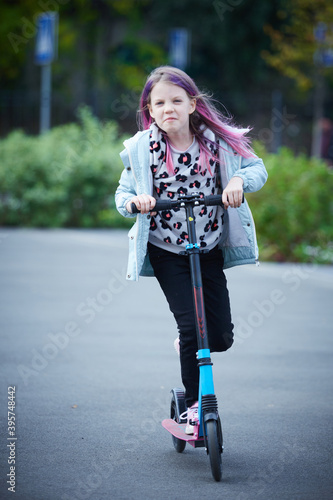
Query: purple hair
{"x":206,"y":115}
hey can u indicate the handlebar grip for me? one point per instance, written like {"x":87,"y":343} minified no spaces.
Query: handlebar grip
{"x":216,"y":199}
{"x":160,"y":205}
{"x":213,"y":200}
{"x":134,"y":209}
{"x":165,"y":205}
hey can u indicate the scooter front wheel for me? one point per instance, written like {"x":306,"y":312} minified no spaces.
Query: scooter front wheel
{"x":176,"y":409}
{"x":214,"y":448}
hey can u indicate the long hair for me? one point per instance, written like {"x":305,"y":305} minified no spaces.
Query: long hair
{"x":205,"y":116}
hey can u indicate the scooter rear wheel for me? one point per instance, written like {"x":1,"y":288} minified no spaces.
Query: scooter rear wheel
{"x":214,"y":448}
{"x":176,"y":409}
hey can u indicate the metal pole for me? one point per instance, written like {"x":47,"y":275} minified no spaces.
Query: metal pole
{"x":277,"y":125}
{"x":45,"y":98}
{"x":318,"y":112}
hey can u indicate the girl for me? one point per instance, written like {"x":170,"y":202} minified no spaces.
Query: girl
{"x":186,"y":145}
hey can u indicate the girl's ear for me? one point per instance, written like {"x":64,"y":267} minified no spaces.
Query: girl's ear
{"x":150,"y":110}
{"x":193,"y":105}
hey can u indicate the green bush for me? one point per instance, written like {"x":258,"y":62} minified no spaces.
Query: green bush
{"x":68,"y":176}
{"x":65,"y":177}
{"x":293,"y":212}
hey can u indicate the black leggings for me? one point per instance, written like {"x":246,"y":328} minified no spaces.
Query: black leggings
{"x":173,"y":274}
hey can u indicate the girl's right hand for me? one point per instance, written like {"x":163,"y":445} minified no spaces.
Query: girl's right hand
{"x":143,"y":202}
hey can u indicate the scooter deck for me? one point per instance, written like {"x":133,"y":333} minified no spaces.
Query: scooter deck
{"x":178,"y":431}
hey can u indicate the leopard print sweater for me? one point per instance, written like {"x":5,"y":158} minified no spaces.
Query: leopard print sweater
{"x":168,"y":228}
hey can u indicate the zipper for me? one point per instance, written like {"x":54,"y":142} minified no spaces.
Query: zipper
{"x":137,"y":222}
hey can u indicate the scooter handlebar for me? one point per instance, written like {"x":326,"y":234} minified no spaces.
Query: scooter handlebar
{"x":212,"y":200}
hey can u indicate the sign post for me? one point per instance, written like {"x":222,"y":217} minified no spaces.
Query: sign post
{"x":179,"y":42}
{"x":45,"y":52}
{"x":323,"y":58}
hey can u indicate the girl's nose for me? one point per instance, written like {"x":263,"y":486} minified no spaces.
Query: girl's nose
{"x":168,"y":107}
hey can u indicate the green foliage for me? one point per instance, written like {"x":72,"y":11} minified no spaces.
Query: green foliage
{"x":294,"y":210}
{"x":66,"y":177}
{"x":294,"y":47}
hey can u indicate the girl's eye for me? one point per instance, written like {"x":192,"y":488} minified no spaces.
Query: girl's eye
{"x":178,"y":100}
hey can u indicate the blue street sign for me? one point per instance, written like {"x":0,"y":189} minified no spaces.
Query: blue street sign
{"x":179,"y":45}
{"x":320,"y":31}
{"x":327,"y":58}
{"x":47,"y":38}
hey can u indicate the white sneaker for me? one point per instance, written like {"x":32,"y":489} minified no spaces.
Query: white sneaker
{"x":192,"y":418}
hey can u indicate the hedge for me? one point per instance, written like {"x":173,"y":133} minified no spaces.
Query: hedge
{"x":64,"y":178}
{"x":67,"y":177}
{"x":293,"y":212}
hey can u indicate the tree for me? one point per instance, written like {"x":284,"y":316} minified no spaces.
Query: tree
{"x":107,"y":48}
{"x":299,"y":49}
{"x":294,"y":46}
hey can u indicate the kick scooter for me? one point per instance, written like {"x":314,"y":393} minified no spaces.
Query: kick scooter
{"x":207,"y":429}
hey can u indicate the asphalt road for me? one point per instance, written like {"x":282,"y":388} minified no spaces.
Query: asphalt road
{"x":92,"y":362}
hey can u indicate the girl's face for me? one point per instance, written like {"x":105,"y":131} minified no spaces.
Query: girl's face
{"x":171,"y":107}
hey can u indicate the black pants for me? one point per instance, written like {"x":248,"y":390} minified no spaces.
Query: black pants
{"x":173,"y":274}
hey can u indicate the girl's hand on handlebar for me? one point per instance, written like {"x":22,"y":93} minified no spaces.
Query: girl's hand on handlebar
{"x":233,"y":194}
{"x":143,"y":202}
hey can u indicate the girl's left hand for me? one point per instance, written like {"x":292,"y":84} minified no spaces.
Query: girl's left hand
{"x":233,"y":194}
